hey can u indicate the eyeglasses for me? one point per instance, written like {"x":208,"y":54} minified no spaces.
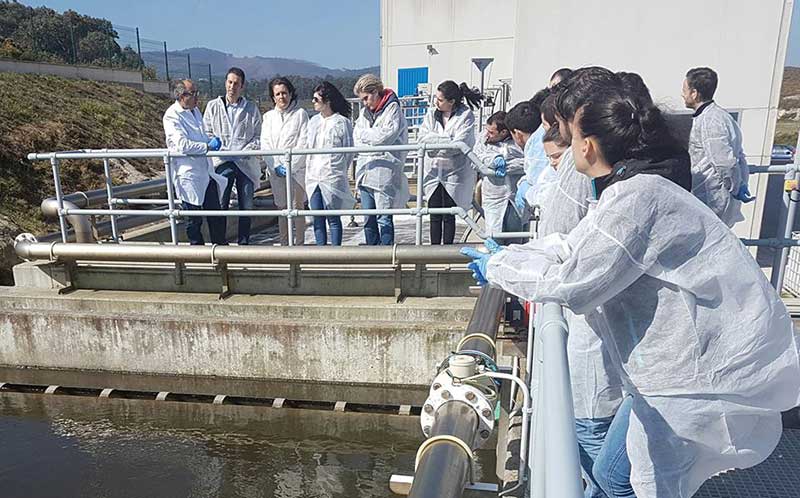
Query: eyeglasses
{"x":316,"y":100}
{"x":190,"y":94}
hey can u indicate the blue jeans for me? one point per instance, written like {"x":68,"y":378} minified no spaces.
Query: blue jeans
{"x":245,"y":191}
{"x":591,"y":436}
{"x":378,"y":230}
{"x":216,"y":224}
{"x":335,"y":222}
{"x":612,"y":467}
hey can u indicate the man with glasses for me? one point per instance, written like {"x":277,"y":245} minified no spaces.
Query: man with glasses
{"x":238,"y":124}
{"x":196,"y":184}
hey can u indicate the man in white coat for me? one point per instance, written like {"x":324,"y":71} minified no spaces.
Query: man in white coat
{"x":719,"y":167}
{"x":197,"y":186}
{"x":238,"y":124}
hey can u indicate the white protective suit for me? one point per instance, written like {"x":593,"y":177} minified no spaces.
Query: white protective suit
{"x":596,"y":385}
{"x":329,"y":171}
{"x":704,"y":344}
{"x":242,"y":134}
{"x":498,"y":194}
{"x":719,"y":166}
{"x":382,"y":172}
{"x":451,"y":168}
{"x":538,"y":172}
{"x":185,"y":134}
{"x":283,"y":130}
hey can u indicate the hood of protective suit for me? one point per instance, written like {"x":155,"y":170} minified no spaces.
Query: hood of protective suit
{"x":677,"y":169}
{"x":388,"y":97}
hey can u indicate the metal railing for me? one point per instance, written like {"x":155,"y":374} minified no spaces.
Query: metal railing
{"x":66,"y":209}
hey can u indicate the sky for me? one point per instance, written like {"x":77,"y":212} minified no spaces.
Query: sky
{"x":333,"y":33}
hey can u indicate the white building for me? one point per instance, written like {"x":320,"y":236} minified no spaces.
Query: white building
{"x":743,"y":40}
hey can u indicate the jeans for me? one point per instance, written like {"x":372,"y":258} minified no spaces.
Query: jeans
{"x":335,"y":222}
{"x":245,"y":190}
{"x":612,"y":468}
{"x":591,"y":436}
{"x":378,"y":230}
{"x":216,"y":224}
{"x":443,"y":226}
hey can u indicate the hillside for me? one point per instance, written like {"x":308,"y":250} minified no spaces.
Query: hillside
{"x":255,"y":68}
{"x":46,"y":113}
{"x":789,"y":108}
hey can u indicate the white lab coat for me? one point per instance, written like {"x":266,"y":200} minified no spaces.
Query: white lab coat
{"x":704,"y":344}
{"x":596,"y":384}
{"x":329,"y":171}
{"x":243,"y":133}
{"x":497,"y":194}
{"x":538,"y":172}
{"x":382,"y":172}
{"x":284,"y":130}
{"x":450,"y":168}
{"x":185,"y":134}
{"x":719,"y":166}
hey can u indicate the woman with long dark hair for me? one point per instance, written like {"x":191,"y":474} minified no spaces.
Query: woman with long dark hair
{"x":449,"y":177}
{"x":327,"y":186}
{"x":705,"y":347}
{"x":285,"y":127}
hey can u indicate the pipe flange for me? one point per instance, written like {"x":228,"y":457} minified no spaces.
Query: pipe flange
{"x":477,"y":335}
{"x":27,"y":238}
{"x":447,"y":439}
{"x":443,"y":390}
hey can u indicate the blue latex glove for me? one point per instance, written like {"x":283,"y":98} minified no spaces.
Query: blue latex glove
{"x":744,"y":194}
{"x":519,"y":198}
{"x":214,"y":144}
{"x":280,"y":170}
{"x":499,"y":166}
{"x":480,"y":259}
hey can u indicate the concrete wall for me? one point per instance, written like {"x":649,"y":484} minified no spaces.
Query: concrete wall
{"x":458,"y":29}
{"x":129,"y":78}
{"x":744,"y":41}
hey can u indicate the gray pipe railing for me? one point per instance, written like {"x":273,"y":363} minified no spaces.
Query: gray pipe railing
{"x":213,"y":254}
{"x":443,"y":469}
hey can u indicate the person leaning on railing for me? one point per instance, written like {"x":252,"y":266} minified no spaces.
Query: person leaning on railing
{"x":706,"y":348}
{"x":379,"y":175}
{"x":238,"y":124}
{"x":197,"y":186}
{"x":449,"y":177}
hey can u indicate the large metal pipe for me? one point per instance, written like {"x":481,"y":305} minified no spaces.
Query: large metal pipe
{"x":444,"y":467}
{"x":240,"y":254}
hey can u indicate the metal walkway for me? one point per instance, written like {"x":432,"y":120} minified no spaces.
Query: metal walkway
{"x":776,"y":477}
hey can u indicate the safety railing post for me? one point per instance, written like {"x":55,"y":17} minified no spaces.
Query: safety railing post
{"x":289,"y":204}
{"x":173,"y":223}
{"x":420,"y":167}
{"x":62,"y":222}
{"x":790,"y":200}
{"x":110,"y":194}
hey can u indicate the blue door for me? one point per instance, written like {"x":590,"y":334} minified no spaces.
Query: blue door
{"x":408,"y":78}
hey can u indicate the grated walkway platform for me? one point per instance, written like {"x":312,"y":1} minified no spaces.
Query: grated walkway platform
{"x":777,"y":477}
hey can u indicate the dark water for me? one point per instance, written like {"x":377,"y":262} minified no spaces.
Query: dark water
{"x":63,"y":446}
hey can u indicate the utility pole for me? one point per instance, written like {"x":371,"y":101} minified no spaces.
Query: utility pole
{"x":139,"y":48}
{"x":166,"y":61}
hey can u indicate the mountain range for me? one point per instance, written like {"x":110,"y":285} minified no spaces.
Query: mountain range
{"x":254,"y":67}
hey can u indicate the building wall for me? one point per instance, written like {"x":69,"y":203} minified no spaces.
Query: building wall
{"x":458,"y":29}
{"x":744,"y":41}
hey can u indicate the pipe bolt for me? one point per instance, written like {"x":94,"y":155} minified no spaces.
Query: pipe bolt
{"x":470,"y":396}
{"x":485,"y":434}
{"x":486,"y":413}
{"x":426,"y":429}
{"x":437,"y":386}
{"x":428,"y":408}
{"x":445,"y":394}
